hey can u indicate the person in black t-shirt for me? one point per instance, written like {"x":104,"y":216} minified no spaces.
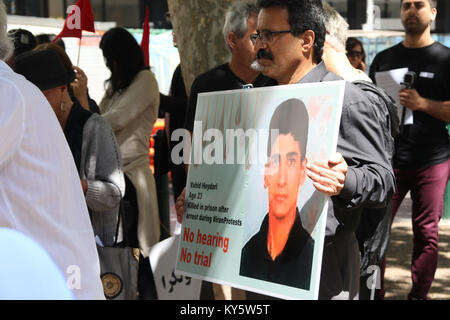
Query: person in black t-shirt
{"x":422,"y":155}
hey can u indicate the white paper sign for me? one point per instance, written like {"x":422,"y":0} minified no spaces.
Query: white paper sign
{"x":169,"y":284}
{"x":232,"y":180}
{"x":390,"y":81}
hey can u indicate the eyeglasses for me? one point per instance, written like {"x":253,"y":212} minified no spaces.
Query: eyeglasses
{"x":266,"y":36}
{"x":355,"y":54}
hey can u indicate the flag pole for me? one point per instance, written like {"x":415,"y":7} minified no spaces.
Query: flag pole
{"x":145,"y":42}
{"x":79,"y":49}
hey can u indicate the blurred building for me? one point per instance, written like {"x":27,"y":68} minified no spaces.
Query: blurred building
{"x":126,"y":13}
{"x":375,"y":22}
{"x":383,"y":14}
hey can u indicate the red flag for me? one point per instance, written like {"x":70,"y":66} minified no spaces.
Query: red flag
{"x":80,"y":18}
{"x":145,"y":42}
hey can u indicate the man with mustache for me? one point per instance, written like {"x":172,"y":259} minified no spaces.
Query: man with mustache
{"x":421,"y":161}
{"x":289,"y":39}
{"x":282,"y":250}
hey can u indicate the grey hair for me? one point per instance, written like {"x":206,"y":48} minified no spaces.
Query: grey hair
{"x":236,"y":18}
{"x":6,"y":45}
{"x":336,"y":26}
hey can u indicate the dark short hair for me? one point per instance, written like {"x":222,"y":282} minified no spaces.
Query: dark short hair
{"x":24,"y":40}
{"x":43,"y":68}
{"x":433,"y":3}
{"x":62,"y":55}
{"x":303,"y":15}
{"x":290,"y":117}
{"x":49,"y":37}
{"x":120,"y":47}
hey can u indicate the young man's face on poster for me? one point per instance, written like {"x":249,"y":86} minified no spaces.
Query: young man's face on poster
{"x":284,"y":174}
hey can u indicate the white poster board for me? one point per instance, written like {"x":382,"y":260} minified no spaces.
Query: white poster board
{"x":169,"y":284}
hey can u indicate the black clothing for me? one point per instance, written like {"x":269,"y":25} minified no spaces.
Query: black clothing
{"x":373,"y":230}
{"x":218,"y":79}
{"x":93,"y":107}
{"x":175,"y":103}
{"x":74,"y":130}
{"x":369,"y":184}
{"x":424,"y":143}
{"x":373,"y":236}
{"x":370,"y":177}
{"x":130,"y":215}
{"x":174,"y":109}
{"x":292,"y":267}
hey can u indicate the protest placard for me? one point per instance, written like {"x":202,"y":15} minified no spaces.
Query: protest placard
{"x":169,"y":284}
{"x":253,"y":218}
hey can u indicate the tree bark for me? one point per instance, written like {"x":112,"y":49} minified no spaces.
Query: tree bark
{"x":198,"y":29}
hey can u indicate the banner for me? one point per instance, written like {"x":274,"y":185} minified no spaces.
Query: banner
{"x":253,"y":218}
{"x":80,"y":17}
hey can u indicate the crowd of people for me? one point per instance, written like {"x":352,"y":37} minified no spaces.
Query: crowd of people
{"x":69,"y":166}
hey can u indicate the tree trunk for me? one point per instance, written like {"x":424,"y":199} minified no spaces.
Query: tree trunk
{"x":198,"y":29}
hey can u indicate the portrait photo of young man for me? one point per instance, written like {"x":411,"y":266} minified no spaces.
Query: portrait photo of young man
{"x":282,"y":250}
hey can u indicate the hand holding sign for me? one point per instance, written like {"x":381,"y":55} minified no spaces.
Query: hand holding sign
{"x":180,"y":205}
{"x":328,"y":176}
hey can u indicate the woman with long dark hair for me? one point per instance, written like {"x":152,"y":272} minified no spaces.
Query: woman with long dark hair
{"x":130,"y":106}
{"x":356,"y":53}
